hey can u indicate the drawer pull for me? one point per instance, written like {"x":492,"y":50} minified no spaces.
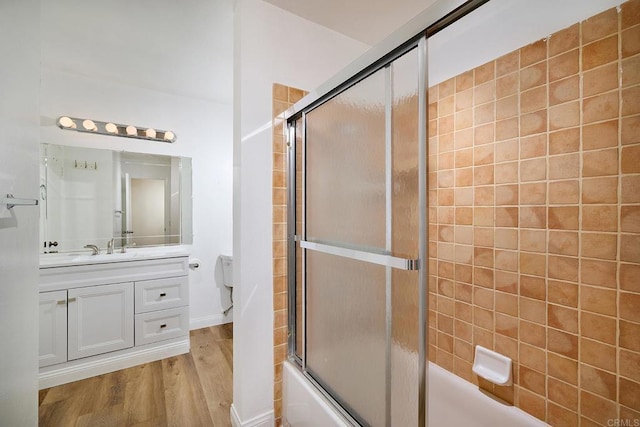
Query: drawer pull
{"x":61,"y":302}
{"x":72,"y":299}
{"x":164,"y":325}
{"x":164,"y":294}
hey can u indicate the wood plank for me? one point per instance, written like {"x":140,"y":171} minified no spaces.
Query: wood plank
{"x":41,"y":395}
{"x":226,"y":347}
{"x":215,"y":375}
{"x":185,"y":401}
{"x":109,"y":416}
{"x":64,"y":404}
{"x":107,"y":390}
{"x":144,"y":399}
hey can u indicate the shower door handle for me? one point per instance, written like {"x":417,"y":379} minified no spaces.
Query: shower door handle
{"x":380,"y":259}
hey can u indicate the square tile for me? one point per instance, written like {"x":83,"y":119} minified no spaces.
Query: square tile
{"x":631,"y":41}
{"x":601,"y":246}
{"x":562,"y":343}
{"x":603,"y":190}
{"x":600,"y":135}
{"x":630,"y":248}
{"x":600,"y":52}
{"x":598,"y":300}
{"x":563,"y":242}
{"x":600,"y":218}
{"x":601,"y":79}
{"x":599,"y":26}
{"x":564,"y":90}
{"x":598,"y":328}
{"x":564,"y":65}
{"x":631,"y":159}
{"x":598,"y":272}
{"x":564,"y":166}
{"x":601,"y":107}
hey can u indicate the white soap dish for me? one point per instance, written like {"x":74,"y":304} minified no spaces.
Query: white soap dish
{"x":492,"y":366}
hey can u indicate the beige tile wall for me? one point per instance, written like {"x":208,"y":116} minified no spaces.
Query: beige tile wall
{"x":535,"y":220}
{"x":283,"y":97}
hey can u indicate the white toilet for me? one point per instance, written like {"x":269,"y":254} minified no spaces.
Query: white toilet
{"x":227,"y":277}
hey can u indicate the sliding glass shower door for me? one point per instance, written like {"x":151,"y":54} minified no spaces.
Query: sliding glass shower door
{"x":357,"y":216}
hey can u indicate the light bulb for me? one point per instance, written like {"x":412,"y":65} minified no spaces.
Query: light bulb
{"x":66,"y":122}
{"x":151,"y":133}
{"x":169,"y":136}
{"x":111,"y":128}
{"x":89,"y":125}
{"x":131,"y":130}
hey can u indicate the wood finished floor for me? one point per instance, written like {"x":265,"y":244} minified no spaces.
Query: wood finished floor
{"x":193,"y":389}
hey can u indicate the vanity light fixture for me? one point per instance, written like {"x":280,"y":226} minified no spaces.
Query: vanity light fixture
{"x":131,"y":130}
{"x":66,"y":123}
{"x":115,"y":129}
{"x":111,"y":128}
{"x":89,"y":125}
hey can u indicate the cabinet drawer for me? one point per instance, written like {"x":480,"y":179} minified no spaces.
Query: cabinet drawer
{"x":159,"y":294}
{"x":162,"y":325}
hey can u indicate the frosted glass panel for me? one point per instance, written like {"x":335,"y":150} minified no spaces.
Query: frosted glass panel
{"x":361,"y":191}
{"x":404,"y":238}
{"x":404,"y":140}
{"x":346,"y":332}
{"x":404,"y":348}
{"x":346,"y":167}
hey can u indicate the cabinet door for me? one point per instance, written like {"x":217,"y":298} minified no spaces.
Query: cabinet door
{"x":53,"y":328}
{"x":100,"y":319}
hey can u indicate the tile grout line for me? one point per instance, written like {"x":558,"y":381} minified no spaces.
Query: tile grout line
{"x":619,"y":212}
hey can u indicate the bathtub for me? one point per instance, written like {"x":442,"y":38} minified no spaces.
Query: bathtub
{"x":452,"y":402}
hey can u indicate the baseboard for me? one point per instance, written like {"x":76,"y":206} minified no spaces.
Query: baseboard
{"x":97,"y":365}
{"x":206,"y":321}
{"x":264,"y":420}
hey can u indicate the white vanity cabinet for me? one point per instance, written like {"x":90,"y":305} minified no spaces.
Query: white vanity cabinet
{"x":53,"y":328}
{"x":108,"y":315}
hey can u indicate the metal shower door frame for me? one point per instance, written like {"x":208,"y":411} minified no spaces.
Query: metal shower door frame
{"x":442,"y":14}
{"x":385,"y":260}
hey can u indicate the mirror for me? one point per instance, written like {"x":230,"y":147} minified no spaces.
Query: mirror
{"x":90,"y":196}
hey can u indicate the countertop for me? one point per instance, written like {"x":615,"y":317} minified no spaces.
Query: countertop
{"x":64,"y":259}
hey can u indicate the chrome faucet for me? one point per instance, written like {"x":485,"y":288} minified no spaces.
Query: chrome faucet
{"x":110,"y":247}
{"x":94,"y":248}
{"x":125,"y":246}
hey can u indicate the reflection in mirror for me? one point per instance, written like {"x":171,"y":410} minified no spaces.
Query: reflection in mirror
{"x":90,"y":196}
{"x":146,"y":211}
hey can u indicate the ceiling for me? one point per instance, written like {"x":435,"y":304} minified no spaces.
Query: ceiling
{"x":368,"y":21}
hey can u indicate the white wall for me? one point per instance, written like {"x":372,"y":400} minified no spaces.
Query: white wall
{"x":19,"y":73}
{"x":270,"y":46}
{"x":204,"y":133}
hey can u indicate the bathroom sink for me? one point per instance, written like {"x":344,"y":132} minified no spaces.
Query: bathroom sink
{"x":80,"y":258}
{"x":104,"y":257}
